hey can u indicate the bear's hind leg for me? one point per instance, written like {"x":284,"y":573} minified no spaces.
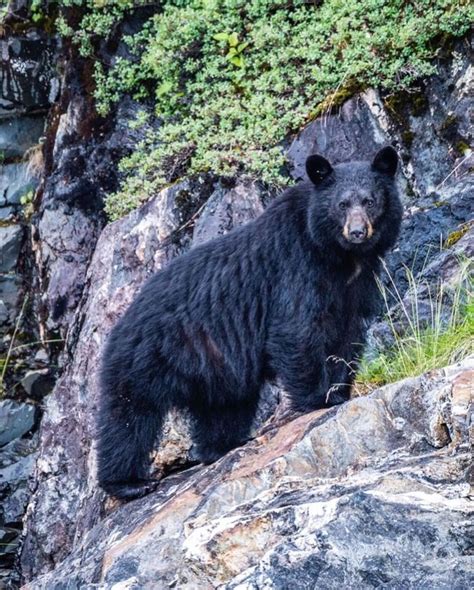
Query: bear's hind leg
{"x":218,"y":429}
{"x":126,"y":436}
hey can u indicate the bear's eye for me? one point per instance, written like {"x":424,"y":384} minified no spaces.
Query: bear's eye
{"x":343,"y":205}
{"x":369,"y":203}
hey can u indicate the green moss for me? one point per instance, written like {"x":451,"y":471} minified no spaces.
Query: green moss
{"x":419,"y":104}
{"x":404,"y":104}
{"x":449,"y":122}
{"x":336,"y":99}
{"x":408,"y":137}
{"x":463,"y":147}
{"x":449,"y":131}
{"x":455,"y":236}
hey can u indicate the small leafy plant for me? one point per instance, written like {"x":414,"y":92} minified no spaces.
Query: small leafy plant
{"x":236,"y":49}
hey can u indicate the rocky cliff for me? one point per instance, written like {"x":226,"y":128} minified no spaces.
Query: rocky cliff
{"x":372,"y":494}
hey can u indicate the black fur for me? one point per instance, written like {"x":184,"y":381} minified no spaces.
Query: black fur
{"x":285,"y":296}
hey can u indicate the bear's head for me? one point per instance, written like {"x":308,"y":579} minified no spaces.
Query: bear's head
{"x":355,"y":204}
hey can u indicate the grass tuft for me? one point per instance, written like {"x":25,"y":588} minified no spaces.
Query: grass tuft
{"x":433,"y":339}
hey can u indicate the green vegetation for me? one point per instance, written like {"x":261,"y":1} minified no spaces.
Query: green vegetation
{"x":26,"y":201}
{"x":98,"y":20}
{"x":423,"y":344}
{"x":456,"y":235}
{"x":231,"y":79}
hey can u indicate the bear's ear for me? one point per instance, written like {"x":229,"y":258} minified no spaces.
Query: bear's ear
{"x":386,"y":161}
{"x":317,"y":168}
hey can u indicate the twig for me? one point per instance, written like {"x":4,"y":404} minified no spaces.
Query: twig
{"x":10,"y":348}
{"x":454,"y":170}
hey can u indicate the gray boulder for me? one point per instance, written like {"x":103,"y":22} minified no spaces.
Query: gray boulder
{"x":17,"y":459}
{"x":16,"y":420}
{"x":18,"y":134}
{"x":11,"y":238}
{"x":15,"y":181}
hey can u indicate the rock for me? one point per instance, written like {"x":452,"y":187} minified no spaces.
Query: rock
{"x":351,"y":134}
{"x":38,"y":384}
{"x":27,"y":74}
{"x":227,"y":208}
{"x":426,"y":230}
{"x":83,"y":157}
{"x":445,"y":271}
{"x":7,"y":213}
{"x":11,"y":239}
{"x":9,"y":544}
{"x":427,"y":127}
{"x":3,"y":312}
{"x":18,"y":134}
{"x":17,"y":461}
{"x":127,"y":253}
{"x":440,"y":125}
{"x":65,"y":257}
{"x":42,"y":356}
{"x":16,"y":420}
{"x":29,"y":86}
{"x":9,"y":294}
{"x":370,"y":493}
{"x":15,"y":181}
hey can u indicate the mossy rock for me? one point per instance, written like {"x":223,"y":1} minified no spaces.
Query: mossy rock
{"x":456,"y":235}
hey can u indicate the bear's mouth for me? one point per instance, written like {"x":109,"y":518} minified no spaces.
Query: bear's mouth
{"x":359,"y":238}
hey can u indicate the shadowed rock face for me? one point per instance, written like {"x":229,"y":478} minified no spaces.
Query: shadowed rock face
{"x":372,"y":493}
{"x":28,"y":86}
{"x":27,"y":74}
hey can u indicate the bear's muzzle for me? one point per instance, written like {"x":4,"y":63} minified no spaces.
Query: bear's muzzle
{"x":357,"y":228}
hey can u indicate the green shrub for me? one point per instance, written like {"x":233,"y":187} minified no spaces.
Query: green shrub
{"x":231,"y":79}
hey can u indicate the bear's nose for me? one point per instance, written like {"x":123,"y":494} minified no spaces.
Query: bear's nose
{"x":358,"y":234}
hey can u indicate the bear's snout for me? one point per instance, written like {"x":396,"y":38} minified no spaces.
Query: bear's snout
{"x":357,"y":227}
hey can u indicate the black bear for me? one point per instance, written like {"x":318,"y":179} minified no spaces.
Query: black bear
{"x":286,"y":296}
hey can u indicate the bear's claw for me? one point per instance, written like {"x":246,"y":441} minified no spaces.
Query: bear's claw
{"x":131,"y":490}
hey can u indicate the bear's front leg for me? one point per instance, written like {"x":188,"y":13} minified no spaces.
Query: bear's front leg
{"x":217,"y":429}
{"x":303,"y":370}
{"x":343,"y":360}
